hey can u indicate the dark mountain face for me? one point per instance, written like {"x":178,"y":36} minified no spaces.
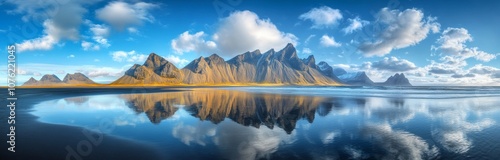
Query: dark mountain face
{"x":288,"y":56}
{"x":397,"y":80}
{"x":325,"y":68}
{"x":247,"y":57}
{"x":161,"y":66}
{"x":139,"y":72}
{"x":310,"y":61}
{"x":339,"y":71}
{"x":197,"y":65}
{"x":215,"y":59}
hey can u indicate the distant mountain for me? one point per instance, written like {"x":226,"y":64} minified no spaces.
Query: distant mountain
{"x":51,"y":79}
{"x":77,"y":78}
{"x":354,"y":78}
{"x":339,"y":71}
{"x":282,"y":67}
{"x":396,"y":80}
{"x":31,"y":81}
{"x":328,"y":71}
{"x":48,"y":79}
{"x":360,"y":78}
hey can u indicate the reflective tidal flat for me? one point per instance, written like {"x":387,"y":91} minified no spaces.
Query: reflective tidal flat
{"x":296,"y":122}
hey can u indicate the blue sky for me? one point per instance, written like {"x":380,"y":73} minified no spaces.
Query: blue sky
{"x":433,"y":43}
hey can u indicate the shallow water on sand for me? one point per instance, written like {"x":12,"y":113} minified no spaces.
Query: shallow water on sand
{"x":296,"y":122}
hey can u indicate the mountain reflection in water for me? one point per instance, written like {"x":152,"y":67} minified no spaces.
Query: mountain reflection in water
{"x":230,"y":124}
{"x":245,"y":108}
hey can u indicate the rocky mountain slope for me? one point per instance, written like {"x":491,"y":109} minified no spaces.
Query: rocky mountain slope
{"x":281,"y":67}
{"x":271,"y":67}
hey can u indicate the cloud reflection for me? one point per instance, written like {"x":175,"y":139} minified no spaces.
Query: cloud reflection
{"x":233,"y":140}
{"x":194,"y":134}
{"x":399,"y":144}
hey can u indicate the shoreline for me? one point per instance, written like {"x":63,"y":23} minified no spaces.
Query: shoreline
{"x":38,"y":140}
{"x":173,"y":85}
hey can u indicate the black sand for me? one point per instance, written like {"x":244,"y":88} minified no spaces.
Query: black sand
{"x":36,"y":140}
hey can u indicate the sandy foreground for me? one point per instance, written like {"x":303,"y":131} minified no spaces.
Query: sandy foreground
{"x":36,"y":140}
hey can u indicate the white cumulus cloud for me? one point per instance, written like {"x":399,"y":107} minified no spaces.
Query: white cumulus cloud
{"x":176,"y":60}
{"x":328,"y":41}
{"x":121,"y":14}
{"x":394,"y":64}
{"x":354,"y":25}
{"x":244,"y":31}
{"x":61,"y":21}
{"x":89,"y":46}
{"x":187,"y":42}
{"x":241,"y":31}
{"x":52,"y":35}
{"x":306,"y":51}
{"x":100,"y":32}
{"x":402,"y":29}
{"x":322,"y":17}
{"x":130,"y":56}
{"x":452,"y":42}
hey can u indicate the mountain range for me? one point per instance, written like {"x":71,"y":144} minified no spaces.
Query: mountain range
{"x":272,"y":67}
{"x":360,"y":78}
{"x":51,"y":79}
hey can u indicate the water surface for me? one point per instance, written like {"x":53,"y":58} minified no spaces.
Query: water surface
{"x":297,"y":122}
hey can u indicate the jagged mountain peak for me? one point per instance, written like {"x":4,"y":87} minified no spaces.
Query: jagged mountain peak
{"x":323,"y":63}
{"x":155,"y":61}
{"x":289,"y":45}
{"x":214,"y":59}
{"x":158,"y":65}
{"x":197,"y":65}
{"x":270,"y":52}
{"x":325,"y":67}
{"x":289,"y":52}
{"x":153,"y":56}
{"x":283,"y":67}
{"x":257,"y":51}
{"x":310,"y":61}
{"x":248,"y":57}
